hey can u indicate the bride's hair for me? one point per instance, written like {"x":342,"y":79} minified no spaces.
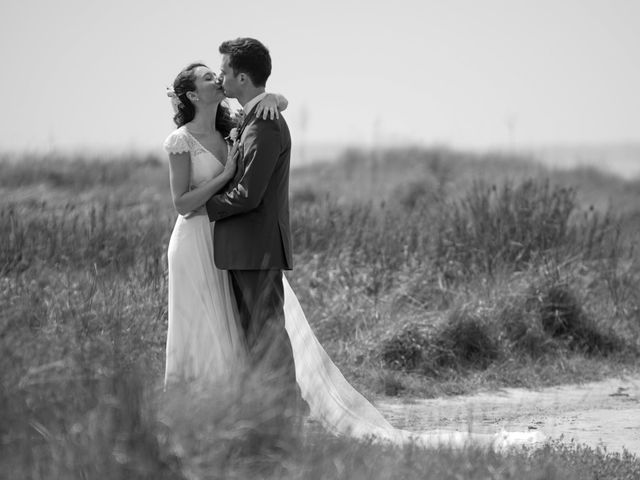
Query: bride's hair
{"x":185,"y":82}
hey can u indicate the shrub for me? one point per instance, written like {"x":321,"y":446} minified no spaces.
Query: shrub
{"x":563,"y":318}
{"x":468,"y":340}
{"x":550,"y":319}
{"x":465,"y":340}
{"x":405,"y":350}
{"x":544,"y":319}
{"x":523,"y":330}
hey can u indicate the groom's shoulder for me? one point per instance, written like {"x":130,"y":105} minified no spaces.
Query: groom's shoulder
{"x":269,"y":126}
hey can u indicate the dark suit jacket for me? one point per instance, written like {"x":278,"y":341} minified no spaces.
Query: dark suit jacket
{"x":251,"y":217}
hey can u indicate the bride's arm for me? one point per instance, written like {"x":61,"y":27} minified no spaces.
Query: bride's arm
{"x":185,"y":200}
{"x":271,"y":106}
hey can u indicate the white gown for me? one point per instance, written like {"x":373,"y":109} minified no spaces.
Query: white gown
{"x":204,"y":339}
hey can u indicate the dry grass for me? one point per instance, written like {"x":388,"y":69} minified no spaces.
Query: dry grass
{"x":422,"y":272}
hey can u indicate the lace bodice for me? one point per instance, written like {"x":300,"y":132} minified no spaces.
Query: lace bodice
{"x":204,"y":165}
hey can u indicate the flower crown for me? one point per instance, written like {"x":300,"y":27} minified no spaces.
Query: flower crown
{"x":175,"y":100}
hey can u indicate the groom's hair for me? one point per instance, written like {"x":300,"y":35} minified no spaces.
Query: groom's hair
{"x":249,"y":56}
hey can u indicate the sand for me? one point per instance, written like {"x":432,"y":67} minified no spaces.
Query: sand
{"x":599,"y":414}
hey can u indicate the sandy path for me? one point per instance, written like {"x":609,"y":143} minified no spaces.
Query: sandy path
{"x":603,"y":413}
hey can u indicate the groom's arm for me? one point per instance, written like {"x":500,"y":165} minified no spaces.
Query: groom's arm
{"x":261,"y":152}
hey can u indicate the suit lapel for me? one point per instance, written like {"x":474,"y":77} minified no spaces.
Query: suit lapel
{"x":241,"y":165}
{"x":247,"y":118}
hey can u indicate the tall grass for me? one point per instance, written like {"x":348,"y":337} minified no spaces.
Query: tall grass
{"x":81,"y":236}
{"x":405,"y":265}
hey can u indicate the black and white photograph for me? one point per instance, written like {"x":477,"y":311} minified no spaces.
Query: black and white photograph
{"x":320,"y":240}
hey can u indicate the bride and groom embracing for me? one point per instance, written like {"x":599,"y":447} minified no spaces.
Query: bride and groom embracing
{"x":230,"y":306}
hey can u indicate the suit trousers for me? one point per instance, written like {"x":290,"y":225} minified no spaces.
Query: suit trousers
{"x":260,"y":299}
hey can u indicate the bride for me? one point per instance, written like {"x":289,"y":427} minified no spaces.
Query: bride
{"x":204,"y":339}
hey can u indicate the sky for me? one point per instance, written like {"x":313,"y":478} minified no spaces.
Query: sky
{"x":81,"y":74}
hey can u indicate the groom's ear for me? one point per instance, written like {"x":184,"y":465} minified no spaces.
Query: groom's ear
{"x":242,"y":77}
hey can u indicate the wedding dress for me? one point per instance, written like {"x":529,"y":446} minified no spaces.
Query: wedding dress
{"x":204,"y":339}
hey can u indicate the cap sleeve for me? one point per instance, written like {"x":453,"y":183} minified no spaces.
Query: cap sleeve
{"x":176,"y":142}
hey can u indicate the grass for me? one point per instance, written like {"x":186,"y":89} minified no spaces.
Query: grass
{"x":422,"y":272}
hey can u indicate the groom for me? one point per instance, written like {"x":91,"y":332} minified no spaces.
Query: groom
{"x":252,"y":238}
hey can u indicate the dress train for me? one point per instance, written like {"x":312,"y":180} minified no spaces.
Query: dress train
{"x":343,"y":410}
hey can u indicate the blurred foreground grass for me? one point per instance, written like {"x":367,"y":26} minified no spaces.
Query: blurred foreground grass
{"x":422,"y":273}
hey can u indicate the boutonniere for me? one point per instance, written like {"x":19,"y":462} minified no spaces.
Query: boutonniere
{"x":237,"y":119}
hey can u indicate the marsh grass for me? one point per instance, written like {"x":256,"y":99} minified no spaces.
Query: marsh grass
{"x":421,"y":273}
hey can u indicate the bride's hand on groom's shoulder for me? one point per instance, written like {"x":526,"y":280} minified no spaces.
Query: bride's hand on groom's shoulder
{"x":269,"y":107}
